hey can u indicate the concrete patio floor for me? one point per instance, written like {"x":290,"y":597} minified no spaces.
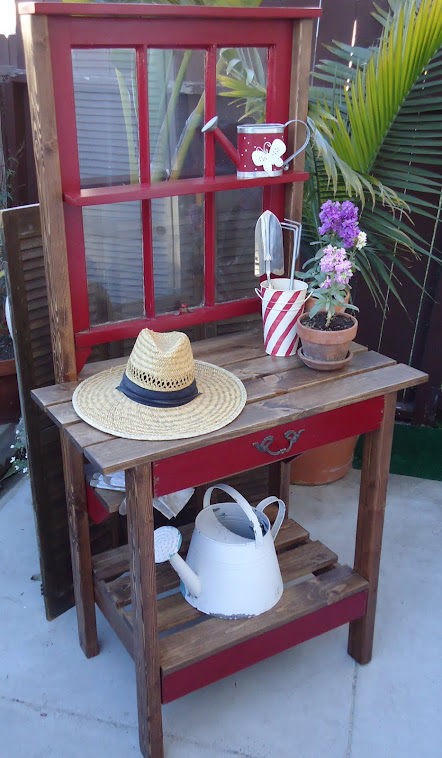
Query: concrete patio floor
{"x":310,"y":702}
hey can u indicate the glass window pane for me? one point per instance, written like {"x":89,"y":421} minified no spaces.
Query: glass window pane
{"x":114,"y":261}
{"x":241,"y":95}
{"x":178,"y":252}
{"x":176,"y":110}
{"x":236,"y":216}
{"x":105,"y":90}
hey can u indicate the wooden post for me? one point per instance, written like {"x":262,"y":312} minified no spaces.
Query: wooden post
{"x":139,"y":493}
{"x":44,"y":130}
{"x":80,"y":547}
{"x":300,"y":68}
{"x":372,"y":496}
{"x":279,"y":482}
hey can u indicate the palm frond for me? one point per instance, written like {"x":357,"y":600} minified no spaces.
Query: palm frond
{"x":385,"y":134}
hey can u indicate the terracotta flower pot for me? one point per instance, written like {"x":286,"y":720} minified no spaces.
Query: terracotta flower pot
{"x":326,"y":349}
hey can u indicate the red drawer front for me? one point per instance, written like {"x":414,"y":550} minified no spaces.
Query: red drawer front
{"x":214,"y":462}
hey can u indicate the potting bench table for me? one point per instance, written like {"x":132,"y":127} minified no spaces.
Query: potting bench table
{"x":290,"y":409}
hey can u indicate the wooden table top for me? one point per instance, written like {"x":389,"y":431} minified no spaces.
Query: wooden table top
{"x":279,"y":390}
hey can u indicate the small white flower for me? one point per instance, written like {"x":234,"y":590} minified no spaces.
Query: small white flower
{"x":13,"y":459}
{"x":16,"y":467}
{"x":361,"y":240}
{"x":25,"y":470}
{"x":12,"y":447}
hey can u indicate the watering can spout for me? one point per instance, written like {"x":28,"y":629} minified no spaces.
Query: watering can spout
{"x":191,"y":581}
{"x":167,"y":542}
{"x":232,"y":152}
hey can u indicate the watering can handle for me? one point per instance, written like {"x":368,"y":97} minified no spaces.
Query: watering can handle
{"x":307,"y":139}
{"x":242,"y":502}
{"x":281,"y":512}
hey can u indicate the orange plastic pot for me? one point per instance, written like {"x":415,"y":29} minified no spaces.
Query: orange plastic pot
{"x":323,"y":464}
{"x":9,"y":397}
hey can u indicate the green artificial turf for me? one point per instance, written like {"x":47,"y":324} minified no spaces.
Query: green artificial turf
{"x":417,"y":451}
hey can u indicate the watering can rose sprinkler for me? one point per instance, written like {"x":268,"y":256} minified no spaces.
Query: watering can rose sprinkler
{"x":260,"y":147}
{"x":231,"y":569}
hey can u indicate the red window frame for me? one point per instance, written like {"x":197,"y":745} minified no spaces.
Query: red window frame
{"x":171,"y":28}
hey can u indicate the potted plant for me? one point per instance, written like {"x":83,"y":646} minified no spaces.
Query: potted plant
{"x":326,"y":330}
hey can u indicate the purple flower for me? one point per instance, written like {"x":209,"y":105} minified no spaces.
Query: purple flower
{"x":334,"y":261}
{"x":342,"y":219}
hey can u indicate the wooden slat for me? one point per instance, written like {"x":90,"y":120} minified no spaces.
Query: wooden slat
{"x":62,"y":414}
{"x":83,"y":435}
{"x":111,"y":499}
{"x":120,"y":454}
{"x":118,"y":620}
{"x":300,"y":561}
{"x":219,"y":350}
{"x":292,"y":380}
{"x":170,"y":12}
{"x":58,"y":393}
{"x":305,"y":559}
{"x":185,"y":648}
{"x":111,"y":563}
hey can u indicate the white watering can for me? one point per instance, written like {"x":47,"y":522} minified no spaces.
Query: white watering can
{"x":231,"y":570}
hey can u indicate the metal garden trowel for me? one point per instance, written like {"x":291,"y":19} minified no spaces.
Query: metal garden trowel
{"x":269,"y":251}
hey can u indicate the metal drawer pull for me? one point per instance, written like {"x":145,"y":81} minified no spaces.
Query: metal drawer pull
{"x":290,"y":435}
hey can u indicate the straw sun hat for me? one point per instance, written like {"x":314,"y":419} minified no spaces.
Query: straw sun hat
{"x":162,"y":393}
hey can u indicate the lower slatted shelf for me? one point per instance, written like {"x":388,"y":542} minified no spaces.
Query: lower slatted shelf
{"x":196,"y":650}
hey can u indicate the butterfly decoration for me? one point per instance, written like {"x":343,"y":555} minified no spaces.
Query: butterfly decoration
{"x":269,"y":155}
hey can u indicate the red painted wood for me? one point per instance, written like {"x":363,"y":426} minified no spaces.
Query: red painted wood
{"x":187,"y":33}
{"x":143,"y":115}
{"x":169,"y":322}
{"x":81,"y":356}
{"x":94,"y":26}
{"x":146,"y":214}
{"x":122,"y":193}
{"x":96,"y":510}
{"x":210,"y":111}
{"x":70,"y":174}
{"x":209,"y":174}
{"x":207,"y":464}
{"x":261,"y":647}
{"x":150,"y":11}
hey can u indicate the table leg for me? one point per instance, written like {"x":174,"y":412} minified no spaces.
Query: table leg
{"x":372,"y":496}
{"x":139,"y":494}
{"x":279,"y":482}
{"x":80,"y":547}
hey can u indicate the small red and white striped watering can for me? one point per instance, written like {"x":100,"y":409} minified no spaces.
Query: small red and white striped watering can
{"x":231,"y":569}
{"x":260,"y":147}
